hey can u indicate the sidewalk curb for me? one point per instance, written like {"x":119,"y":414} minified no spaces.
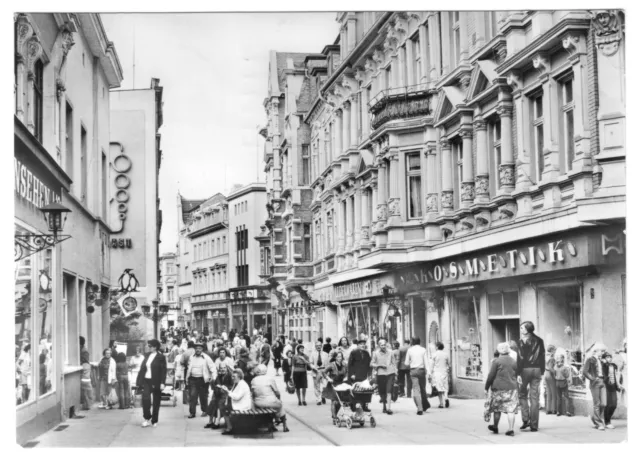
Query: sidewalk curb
{"x":312,"y":427}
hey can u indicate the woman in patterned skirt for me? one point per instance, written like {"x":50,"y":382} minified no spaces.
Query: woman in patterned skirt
{"x":440,"y":372}
{"x":504,"y":389}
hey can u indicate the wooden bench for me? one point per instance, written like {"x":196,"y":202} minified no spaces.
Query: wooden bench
{"x":251,"y":421}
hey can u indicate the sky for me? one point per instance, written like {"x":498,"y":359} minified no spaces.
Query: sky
{"x":213,"y":68}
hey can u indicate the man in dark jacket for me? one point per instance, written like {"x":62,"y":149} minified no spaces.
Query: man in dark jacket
{"x":593,"y":371}
{"x":359,"y":365}
{"x":151,"y":377}
{"x":404,"y":377}
{"x":530,"y":369}
{"x":327,"y":346}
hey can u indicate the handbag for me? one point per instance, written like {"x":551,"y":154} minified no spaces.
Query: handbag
{"x":394,"y":392}
{"x":185,"y":395}
{"x":429,"y":390}
{"x":291,"y":388}
{"x":487,"y":408}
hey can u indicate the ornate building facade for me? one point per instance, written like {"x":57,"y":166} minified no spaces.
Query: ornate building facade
{"x":467,"y":174}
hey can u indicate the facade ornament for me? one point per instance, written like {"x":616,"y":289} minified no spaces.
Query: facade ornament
{"x":608,"y":33}
{"x":501,"y":53}
{"x":479,"y":124}
{"x":507,"y":175}
{"x":394,"y":207}
{"x":432,"y":202}
{"x":382,"y":213}
{"x":446,"y":200}
{"x":415,"y":16}
{"x":370,"y":65}
{"x":515,"y":81}
{"x":276,"y":206}
{"x":25,"y":32}
{"x":483,"y":219}
{"x":445,"y":144}
{"x":60,"y":88}
{"x":482,"y":185}
{"x":361,"y":74}
{"x":505,"y":110}
{"x":34,"y":51}
{"x":364,"y":232}
{"x":378,"y":56}
{"x":67,"y":42}
{"x":467,"y":191}
{"x":402,"y":26}
{"x":571,"y":44}
{"x":541,"y":63}
{"x":465,"y":80}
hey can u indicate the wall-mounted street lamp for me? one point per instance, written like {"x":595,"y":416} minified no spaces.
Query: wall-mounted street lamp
{"x":55,"y":214}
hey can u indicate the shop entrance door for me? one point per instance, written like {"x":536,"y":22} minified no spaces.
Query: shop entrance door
{"x":504,"y":330}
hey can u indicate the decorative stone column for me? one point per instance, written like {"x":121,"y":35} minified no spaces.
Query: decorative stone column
{"x":353,"y":124}
{"x":364,"y":110}
{"x":357,"y":214}
{"x":340,"y":220}
{"x":383,"y":187}
{"x":338,"y":134}
{"x":402,"y":66}
{"x":24,"y":33}
{"x":507,"y":165}
{"x":350,"y":223}
{"x":464,"y":37}
{"x":432,"y":193}
{"x":446,"y":195}
{"x":435,"y":69}
{"x":346,"y":126}
{"x":467,"y":192}
{"x":394,"y":193}
{"x":424,"y":56}
{"x":523,"y":133}
{"x":549,"y":112}
{"x":482,"y":161}
{"x":409,"y":62}
{"x":363,"y":195}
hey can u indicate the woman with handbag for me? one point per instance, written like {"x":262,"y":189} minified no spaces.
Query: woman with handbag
{"x":300,"y":363}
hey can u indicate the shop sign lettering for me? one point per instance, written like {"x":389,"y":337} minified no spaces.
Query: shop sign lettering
{"x":121,"y":243}
{"x":354,"y":289}
{"x":470,"y":268}
{"x":30,"y":188}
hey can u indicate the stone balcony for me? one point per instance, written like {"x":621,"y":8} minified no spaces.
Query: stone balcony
{"x":400,"y":103}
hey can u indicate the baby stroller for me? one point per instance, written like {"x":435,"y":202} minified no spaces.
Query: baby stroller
{"x":352,"y":400}
{"x":169,"y":393}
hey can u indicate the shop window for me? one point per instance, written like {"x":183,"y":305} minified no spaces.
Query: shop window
{"x":45,"y":323}
{"x":503,"y":304}
{"x":23,"y":329}
{"x":467,"y":334}
{"x":560,"y":312}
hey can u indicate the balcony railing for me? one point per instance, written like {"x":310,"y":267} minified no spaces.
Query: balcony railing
{"x":400,"y":103}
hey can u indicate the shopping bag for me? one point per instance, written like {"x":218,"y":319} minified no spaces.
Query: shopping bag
{"x":137,"y":400}
{"x":487,"y":408}
{"x":112,"y":399}
{"x":185,"y":396}
{"x":394,"y":392}
{"x":291,"y":389}
{"x":429,"y":389}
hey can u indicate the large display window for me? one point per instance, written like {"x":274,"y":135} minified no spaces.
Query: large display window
{"x":467,"y":326}
{"x":34,"y":321}
{"x":560,"y":311}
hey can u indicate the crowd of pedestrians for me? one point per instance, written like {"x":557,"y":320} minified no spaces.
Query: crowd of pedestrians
{"x":229,"y":372}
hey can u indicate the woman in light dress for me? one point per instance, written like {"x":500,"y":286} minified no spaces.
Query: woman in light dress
{"x":440,"y":372}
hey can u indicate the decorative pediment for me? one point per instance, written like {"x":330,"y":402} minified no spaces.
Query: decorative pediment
{"x":481,"y":78}
{"x":450,"y":97}
{"x":365,"y":160}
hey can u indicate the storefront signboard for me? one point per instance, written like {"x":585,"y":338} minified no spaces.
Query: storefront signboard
{"x":546,"y":255}
{"x":362,"y":288}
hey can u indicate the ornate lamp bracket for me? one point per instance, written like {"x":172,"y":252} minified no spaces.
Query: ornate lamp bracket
{"x":29,"y":244}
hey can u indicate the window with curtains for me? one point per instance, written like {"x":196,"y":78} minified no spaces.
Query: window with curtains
{"x":306,"y":173}
{"x":306,"y":241}
{"x":318,"y":238}
{"x":329,"y":231}
{"x":414,"y":185}
{"x":494,"y":136}
{"x":538,"y":135}
{"x":566,"y":96}
{"x":417,"y":70}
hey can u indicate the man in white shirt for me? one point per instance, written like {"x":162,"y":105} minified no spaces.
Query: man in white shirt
{"x":225,"y":337}
{"x":200,"y":372}
{"x":418,"y":363}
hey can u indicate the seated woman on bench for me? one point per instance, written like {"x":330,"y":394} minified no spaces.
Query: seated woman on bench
{"x":240,"y":396}
{"x":266,"y":394}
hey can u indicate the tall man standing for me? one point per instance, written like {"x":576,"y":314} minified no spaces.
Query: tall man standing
{"x":151,"y":377}
{"x":200,"y":372}
{"x":404,"y":378}
{"x":384,"y":365}
{"x":530,"y":369}
{"x":319,"y":362}
{"x":418,"y":364}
